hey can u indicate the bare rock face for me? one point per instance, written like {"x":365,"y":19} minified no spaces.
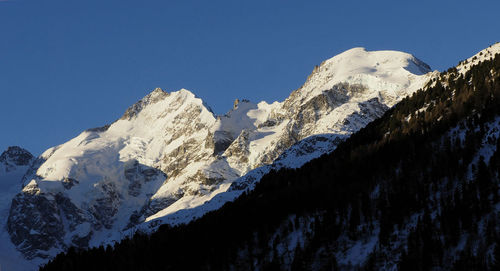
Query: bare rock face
{"x":169,"y":159}
{"x":138,"y":174}
{"x":34,"y":223}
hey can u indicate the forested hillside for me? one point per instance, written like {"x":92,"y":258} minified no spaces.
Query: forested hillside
{"x":414,"y":190}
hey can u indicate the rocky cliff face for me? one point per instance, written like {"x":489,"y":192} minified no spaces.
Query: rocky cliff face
{"x":14,"y":162}
{"x":13,"y":165}
{"x":169,"y":159}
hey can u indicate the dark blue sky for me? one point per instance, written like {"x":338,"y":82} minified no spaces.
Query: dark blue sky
{"x":66,"y":66}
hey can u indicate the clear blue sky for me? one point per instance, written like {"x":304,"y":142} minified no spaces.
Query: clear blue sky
{"x":66,"y":66}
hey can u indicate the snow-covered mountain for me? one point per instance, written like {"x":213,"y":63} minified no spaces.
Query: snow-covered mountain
{"x":13,"y":165}
{"x":170,"y":159}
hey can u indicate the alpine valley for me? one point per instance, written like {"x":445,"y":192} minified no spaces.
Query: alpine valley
{"x":375,"y":163}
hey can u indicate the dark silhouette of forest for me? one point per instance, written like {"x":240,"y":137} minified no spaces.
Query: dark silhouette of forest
{"x":421,"y":169}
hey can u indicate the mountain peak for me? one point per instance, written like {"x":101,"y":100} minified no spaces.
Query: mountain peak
{"x":14,"y":157}
{"x":238,"y":101}
{"x":358,"y":59}
{"x":391,"y":73}
{"x":186,"y":92}
{"x":157,"y":92}
{"x":354,"y":50}
{"x":156,"y":95}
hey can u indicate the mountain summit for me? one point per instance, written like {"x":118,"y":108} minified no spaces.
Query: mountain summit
{"x":392,"y":73}
{"x":14,"y":157}
{"x":169,"y":159}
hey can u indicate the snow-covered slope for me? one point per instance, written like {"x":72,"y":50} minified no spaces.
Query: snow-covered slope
{"x":169,"y":159}
{"x":485,"y":54}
